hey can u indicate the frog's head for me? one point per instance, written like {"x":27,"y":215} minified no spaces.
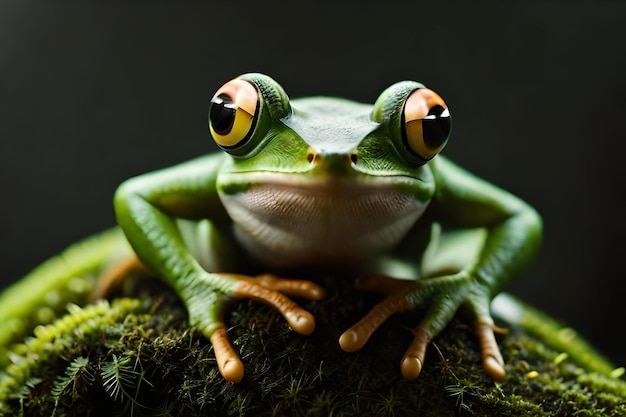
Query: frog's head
{"x":252,"y":119}
{"x":326,"y":166}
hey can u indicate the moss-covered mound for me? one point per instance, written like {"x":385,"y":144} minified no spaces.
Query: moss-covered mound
{"x":140,"y":358}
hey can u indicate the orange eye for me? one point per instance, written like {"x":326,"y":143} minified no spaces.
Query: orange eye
{"x":232,"y":113}
{"x":425,"y":123}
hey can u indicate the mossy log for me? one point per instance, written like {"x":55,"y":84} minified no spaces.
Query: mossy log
{"x":139,"y":357}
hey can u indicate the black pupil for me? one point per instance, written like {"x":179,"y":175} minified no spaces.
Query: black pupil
{"x":436,"y":127}
{"x":222,"y":114}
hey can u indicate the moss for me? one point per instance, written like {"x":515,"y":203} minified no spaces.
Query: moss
{"x":141,"y":358}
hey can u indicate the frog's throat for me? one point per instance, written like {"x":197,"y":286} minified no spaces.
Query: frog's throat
{"x":290,"y":224}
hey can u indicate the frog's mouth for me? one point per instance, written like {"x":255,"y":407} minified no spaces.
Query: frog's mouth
{"x":290,"y":220}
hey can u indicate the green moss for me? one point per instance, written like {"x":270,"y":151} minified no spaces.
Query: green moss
{"x":131,"y":358}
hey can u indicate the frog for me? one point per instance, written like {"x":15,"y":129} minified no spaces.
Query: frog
{"x":327,"y":184}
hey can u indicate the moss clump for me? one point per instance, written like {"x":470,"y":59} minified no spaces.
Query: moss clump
{"x":142,"y":359}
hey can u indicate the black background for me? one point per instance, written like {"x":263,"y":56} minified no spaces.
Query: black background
{"x":91,"y":94}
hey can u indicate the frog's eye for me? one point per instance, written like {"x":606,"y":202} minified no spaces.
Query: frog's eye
{"x":233,"y":113}
{"x":425,"y":124}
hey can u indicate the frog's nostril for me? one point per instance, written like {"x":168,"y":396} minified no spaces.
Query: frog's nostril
{"x":336,"y":163}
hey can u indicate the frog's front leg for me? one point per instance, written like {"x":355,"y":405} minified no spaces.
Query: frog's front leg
{"x":512,"y":235}
{"x":149,"y":209}
{"x":442,"y":297}
{"x":206,"y":307}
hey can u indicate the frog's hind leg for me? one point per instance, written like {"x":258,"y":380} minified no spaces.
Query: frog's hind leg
{"x":208,"y":245}
{"x":113,"y":279}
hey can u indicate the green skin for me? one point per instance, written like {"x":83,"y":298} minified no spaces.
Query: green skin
{"x":328,"y":184}
{"x":314,"y":158}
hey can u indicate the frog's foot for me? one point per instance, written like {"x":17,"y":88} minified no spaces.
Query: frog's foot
{"x":442,"y":296}
{"x":206,"y":312}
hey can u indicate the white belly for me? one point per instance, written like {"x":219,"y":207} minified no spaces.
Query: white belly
{"x":286,"y":226}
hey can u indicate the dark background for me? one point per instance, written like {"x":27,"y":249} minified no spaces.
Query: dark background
{"x":95,"y":93}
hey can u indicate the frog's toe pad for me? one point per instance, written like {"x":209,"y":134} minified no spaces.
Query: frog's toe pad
{"x":413,"y":360}
{"x":493,"y":364}
{"x":356,"y":336}
{"x":228,"y":363}
{"x":411,"y":367}
{"x":494,"y":368}
{"x":352,"y":340}
{"x":301,"y":321}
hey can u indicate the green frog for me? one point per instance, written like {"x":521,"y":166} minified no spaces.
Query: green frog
{"x":326,"y":184}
